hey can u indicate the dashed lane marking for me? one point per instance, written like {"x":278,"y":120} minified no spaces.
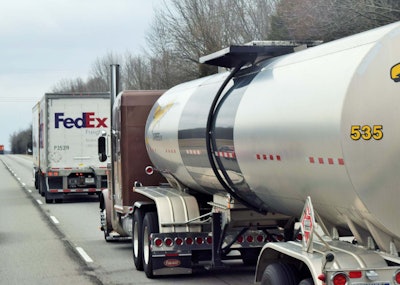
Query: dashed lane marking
{"x":84,"y":255}
{"x":54,"y":219}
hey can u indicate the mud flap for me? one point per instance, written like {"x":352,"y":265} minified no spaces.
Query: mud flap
{"x":163,"y":264}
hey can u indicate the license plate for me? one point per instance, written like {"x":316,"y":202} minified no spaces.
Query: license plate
{"x":89,"y":180}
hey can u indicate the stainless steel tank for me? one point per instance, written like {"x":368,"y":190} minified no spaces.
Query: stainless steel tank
{"x":323,"y":122}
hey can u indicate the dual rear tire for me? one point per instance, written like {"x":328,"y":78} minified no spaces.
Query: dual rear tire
{"x":143,"y":224}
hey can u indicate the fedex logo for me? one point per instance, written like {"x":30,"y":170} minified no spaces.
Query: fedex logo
{"x":88,"y":120}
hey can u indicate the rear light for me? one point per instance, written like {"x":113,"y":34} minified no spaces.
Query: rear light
{"x":149,"y":170}
{"x":280,"y":238}
{"x":397,"y":277}
{"x":158,"y":242}
{"x":209,"y":240}
{"x":240,"y":239}
{"x":178,"y":241}
{"x":299,"y":237}
{"x":189,"y":241}
{"x":339,"y":279}
{"x":168,"y":242}
{"x":250,"y":239}
{"x":199,"y":240}
{"x":322,"y":277}
{"x":355,"y":274}
{"x":260,"y":238}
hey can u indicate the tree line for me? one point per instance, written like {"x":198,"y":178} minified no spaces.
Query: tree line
{"x":21,"y":141}
{"x":184,"y":30}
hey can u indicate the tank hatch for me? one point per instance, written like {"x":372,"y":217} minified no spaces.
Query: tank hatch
{"x":254,"y":51}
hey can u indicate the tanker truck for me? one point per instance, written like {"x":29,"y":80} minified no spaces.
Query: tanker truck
{"x":306,"y":139}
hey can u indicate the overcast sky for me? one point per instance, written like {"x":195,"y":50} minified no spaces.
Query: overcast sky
{"x":45,"y":41}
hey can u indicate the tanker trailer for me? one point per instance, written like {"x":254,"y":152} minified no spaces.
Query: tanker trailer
{"x":310,"y":134}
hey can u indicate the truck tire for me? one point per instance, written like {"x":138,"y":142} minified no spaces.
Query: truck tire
{"x":42,"y":185}
{"x":104,"y":227}
{"x":279,"y":273}
{"x":250,"y":256}
{"x":36,"y":180}
{"x":150,"y":225}
{"x":137,"y":238}
{"x":47,"y":199}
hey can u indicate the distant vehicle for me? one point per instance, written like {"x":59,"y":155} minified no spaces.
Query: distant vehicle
{"x":1,"y":149}
{"x":64,"y":136}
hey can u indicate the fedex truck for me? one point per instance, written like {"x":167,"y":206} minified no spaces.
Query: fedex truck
{"x":64,"y":138}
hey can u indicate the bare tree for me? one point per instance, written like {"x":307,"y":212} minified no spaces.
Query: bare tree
{"x":21,"y":141}
{"x":330,"y":19}
{"x":100,"y":71}
{"x":137,"y":72}
{"x":70,"y":85}
{"x":185,"y":30}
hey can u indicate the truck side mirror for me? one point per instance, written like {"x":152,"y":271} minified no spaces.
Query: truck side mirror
{"x":101,"y":143}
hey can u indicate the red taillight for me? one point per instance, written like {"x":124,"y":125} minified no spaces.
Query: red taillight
{"x":240,"y":239}
{"x":260,"y":238}
{"x":199,"y":240}
{"x":249,"y":238}
{"x":209,"y":240}
{"x":355,"y":274}
{"x":299,"y":237}
{"x":339,"y":279}
{"x":397,"y":277}
{"x":189,"y":241}
{"x":168,"y":241}
{"x":178,"y":241}
{"x":149,"y":170}
{"x":322,"y":277}
{"x":158,"y":242}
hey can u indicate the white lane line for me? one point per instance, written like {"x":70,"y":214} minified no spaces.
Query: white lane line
{"x":84,"y":255}
{"x":54,"y":219}
{"x":39,"y":202}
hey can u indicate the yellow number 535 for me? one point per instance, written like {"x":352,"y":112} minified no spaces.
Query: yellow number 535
{"x":366,"y":132}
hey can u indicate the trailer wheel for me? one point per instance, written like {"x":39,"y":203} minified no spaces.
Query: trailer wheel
{"x":36,"y":180}
{"x":150,"y":225}
{"x":137,"y":238}
{"x":250,"y":256}
{"x":42,"y":185}
{"x":47,"y":199}
{"x":279,"y":273}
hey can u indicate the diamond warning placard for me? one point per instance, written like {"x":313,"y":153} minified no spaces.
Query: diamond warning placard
{"x":307,"y":221}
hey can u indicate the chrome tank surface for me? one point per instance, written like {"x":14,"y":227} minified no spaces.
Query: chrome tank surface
{"x":322,"y":122}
